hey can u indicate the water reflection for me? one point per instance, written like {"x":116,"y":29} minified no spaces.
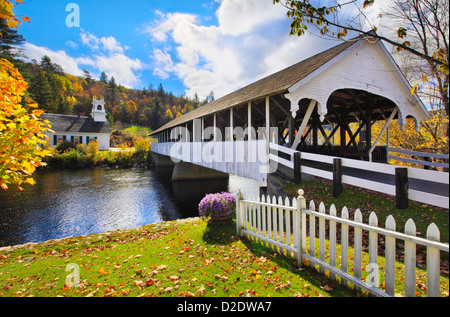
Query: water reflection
{"x":71,"y":203}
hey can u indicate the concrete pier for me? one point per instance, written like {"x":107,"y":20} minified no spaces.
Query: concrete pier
{"x":160,"y":160}
{"x":187,"y":171}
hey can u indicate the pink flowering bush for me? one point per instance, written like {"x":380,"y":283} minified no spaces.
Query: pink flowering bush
{"x":219,"y":207}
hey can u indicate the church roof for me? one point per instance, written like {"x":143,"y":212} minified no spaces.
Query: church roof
{"x":75,"y":124}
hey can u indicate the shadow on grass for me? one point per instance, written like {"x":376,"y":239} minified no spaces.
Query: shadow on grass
{"x":226,"y":233}
{"x":220,"y":233}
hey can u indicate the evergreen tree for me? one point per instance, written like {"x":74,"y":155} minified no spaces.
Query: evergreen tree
{"x":112,"y":87}
{"x":196,"y":100}
{"x":9,"y":42}
{"x":104,"y":78}
{"x":211,"y":96}
{"x":161,"y":91}
{"x":46,"y":64}
{"x":41,"y":91}
{"x":88,"y":77}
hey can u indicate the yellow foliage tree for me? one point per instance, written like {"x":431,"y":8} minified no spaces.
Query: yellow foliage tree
{"x":22,"y":141}
{"x":6,"y":12}
{"x":131,"y":107}
{"x":431,"y":137}
{"x":169,"y":114}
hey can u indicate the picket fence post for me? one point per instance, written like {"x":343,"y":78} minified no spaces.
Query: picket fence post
{"x":322,"y":236}
{"x":373,"y":251}
{"x":238,"y":212}
{"x":358,"y":247}
{"x":344,"y":245}
{"x":390,"y":257}
{"x":298,"y":226}
{"x":410,"y":260}
{"x":312,"y":230}
{"x":433,"y":262}
{"x":332,"y":240}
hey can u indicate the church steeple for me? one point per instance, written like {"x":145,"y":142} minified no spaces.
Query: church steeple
{"x":98,"y":109}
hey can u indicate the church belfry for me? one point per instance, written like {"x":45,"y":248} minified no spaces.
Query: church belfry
{"x":98,"y":109}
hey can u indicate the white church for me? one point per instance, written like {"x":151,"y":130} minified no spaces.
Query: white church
{"x":81,"y":129}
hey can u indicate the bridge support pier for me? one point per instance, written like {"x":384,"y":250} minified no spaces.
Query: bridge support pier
{"x":160,"y":160}
{"x":187,"y":171}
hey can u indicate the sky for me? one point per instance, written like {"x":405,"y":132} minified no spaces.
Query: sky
{"x":194,"y":46}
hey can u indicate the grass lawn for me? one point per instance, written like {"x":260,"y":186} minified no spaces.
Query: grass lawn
{"x":189,"y":258}
{"x":180,"y":258}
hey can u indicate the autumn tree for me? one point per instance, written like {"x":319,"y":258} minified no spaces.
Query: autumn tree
{"x":331,"y":20}
{"x":419,"y":31}
{"x":169,"y":114}
{"x":22,"y":142}
{"x":131,"y":109}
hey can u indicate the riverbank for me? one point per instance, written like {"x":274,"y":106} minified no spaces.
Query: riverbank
{"x":71,"y":156}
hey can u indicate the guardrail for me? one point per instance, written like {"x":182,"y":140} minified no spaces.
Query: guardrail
{"x":384,"y":178}
{"x":419,"y":154}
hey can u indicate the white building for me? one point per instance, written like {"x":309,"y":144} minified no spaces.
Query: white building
{"x":81,"y":129}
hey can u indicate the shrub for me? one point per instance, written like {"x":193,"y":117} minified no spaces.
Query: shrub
{"x":219,"y":207}
{"x":141,"y":148}
{"x":71,"y":158}
{"x":65,"y":146}
{"x":91,"y":151}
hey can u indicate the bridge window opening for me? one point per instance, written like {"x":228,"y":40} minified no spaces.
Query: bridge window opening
{"x":347,"y":128}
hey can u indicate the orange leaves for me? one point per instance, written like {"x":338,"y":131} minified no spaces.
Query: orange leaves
{"x":103,"y":272}
{"x":22,"y":142}
{"x":209,"y":261}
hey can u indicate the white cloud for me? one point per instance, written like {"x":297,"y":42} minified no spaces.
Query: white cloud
{"x":107,"y":44}
{"x":250,"y":41}
{"x":72,"y":44}
{"x":239,"y":17}
{"x":164,"y":64}
{"x":107,"y":55}
{"x":121,"y":67}
{"x":70,"y":64}
{"x":111,"y":45}
{"x":90,"y":40}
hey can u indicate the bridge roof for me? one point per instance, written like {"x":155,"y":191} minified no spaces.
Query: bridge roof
{"x":278,"y":83}
{"x":274,"y":84}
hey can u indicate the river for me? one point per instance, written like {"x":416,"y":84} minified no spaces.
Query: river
{"x":66,"y":203}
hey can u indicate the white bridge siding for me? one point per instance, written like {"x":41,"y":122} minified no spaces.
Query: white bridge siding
{"x":247,"y":159}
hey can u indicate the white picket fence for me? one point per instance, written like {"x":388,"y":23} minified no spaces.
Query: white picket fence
{"x":283,"y":225}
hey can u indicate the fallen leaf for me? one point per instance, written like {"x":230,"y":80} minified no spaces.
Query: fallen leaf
{"x":138,"y":283}
{"x":328,"y":287}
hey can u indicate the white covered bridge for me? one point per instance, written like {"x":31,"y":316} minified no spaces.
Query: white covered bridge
{"x":306,"y":108}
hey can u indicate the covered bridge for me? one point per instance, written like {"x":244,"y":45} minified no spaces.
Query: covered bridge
{"x":310,"y":104}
